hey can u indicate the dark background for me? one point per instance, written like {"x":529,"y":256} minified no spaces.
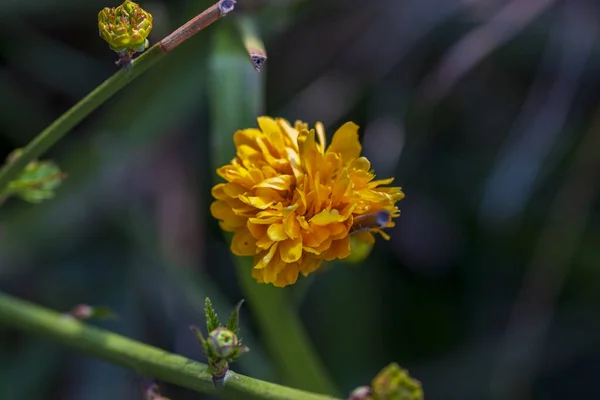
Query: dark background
{"x":485,"y":111}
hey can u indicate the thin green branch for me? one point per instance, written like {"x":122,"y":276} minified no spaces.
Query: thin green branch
{"x":146,"y":360}
{"x":60,"y":127}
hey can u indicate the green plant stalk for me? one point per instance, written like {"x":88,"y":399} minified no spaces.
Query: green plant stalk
{"x":60,"y":127}
{"x":296,"y":358}
{"x":237,"y":99}
{"x":146,"y":360}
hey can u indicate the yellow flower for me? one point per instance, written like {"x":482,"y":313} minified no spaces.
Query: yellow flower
{"x":292,"y":202}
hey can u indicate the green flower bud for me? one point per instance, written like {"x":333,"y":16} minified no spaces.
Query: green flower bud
{"x":223,"y":343}
{"x":360,"y":248}
{"x":125,"y":27}
{"x":394,"y":383}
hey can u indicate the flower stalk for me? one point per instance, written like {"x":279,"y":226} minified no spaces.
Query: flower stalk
{"x":146,"y":360}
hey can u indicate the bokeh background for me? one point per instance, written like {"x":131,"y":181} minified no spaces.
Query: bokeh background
{"x":486,"y":112}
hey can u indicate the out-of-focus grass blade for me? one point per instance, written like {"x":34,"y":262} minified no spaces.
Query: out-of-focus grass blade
{"x":236,"y":100}
{"x":236,"y":92}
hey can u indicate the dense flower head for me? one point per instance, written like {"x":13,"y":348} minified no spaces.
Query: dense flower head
{"x":293,"y":202}
{"x":125,"y":27}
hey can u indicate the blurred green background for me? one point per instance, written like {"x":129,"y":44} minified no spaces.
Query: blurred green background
{"x":485,"y":111}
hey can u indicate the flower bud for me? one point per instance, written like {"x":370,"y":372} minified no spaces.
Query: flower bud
{"x":223,"y":343}
{"x":125,"y":27}
{"x":394,"y":383}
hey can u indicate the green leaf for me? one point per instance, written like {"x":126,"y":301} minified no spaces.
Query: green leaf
{"x":201,"y":339}
{"x":234,"y":318}
{"x":36,"y":182}
{"x":212,"y":321}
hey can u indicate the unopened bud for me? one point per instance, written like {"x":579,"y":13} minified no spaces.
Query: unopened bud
{"x":125,"y":27}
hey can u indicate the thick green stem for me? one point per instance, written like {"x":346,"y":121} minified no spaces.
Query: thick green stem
{"x":146,"y":360}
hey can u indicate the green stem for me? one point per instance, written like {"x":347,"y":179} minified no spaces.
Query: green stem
{"x":296,"y":358}
{"x":146,"y":360}
{"x":59,"y":128}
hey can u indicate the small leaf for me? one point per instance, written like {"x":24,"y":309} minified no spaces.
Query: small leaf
{"x":201,"y":340}
{"x":37,"y":181}
{"x":233,"y":322}
{"x":212,"y":321}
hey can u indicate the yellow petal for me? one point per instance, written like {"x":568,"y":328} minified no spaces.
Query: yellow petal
{"x":264,"y":242}
{"x":338,"y":249}
{"x":247,"y":152}
{"x":290,"y":250}
{"x":292,"y":226}
{"x":327,"y":217}
{"x":271,"y":272}
{"x":341,"y":186}
{"x":292,"y":134}
{"x":271,"y":129}
{"x":243,"y":243}
{"x":247,"y":137}
{"x":361,"y":164}
{"x":257,"y":202}
{"x":234,"y":190}
{"x":218,"y":191}
{"x":295,"y":163}
{"x":310,"y":265}
{"x":378,"y":182}
{"x":345,"y":142}
{"x":336,"y":228}
{"x":282,"y":182}
{"x":321,"y":135}
{"x":276,"y":232}
{"x":288,"y":276}
{"x":221,"y":210}
{"x":257,"y":230}
{"x":310,"y":156}
{"x":265,"y":221}
{"x":302,"y":221}
{"x":265,"y":257}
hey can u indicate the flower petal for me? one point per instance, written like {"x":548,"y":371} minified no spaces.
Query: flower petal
{"x":282,"y":182}
{"x":338,"y":249}
{"x":292,"y":226}
{"x":345,"y":142}
{"x":243,"y":243}
{"x":326,"y":217}
{"x":290,"y":250}
{"x":265,"y":257}
{"x":276,"y":232}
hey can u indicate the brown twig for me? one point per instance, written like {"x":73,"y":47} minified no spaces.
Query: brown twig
{"x":196,"y":24}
